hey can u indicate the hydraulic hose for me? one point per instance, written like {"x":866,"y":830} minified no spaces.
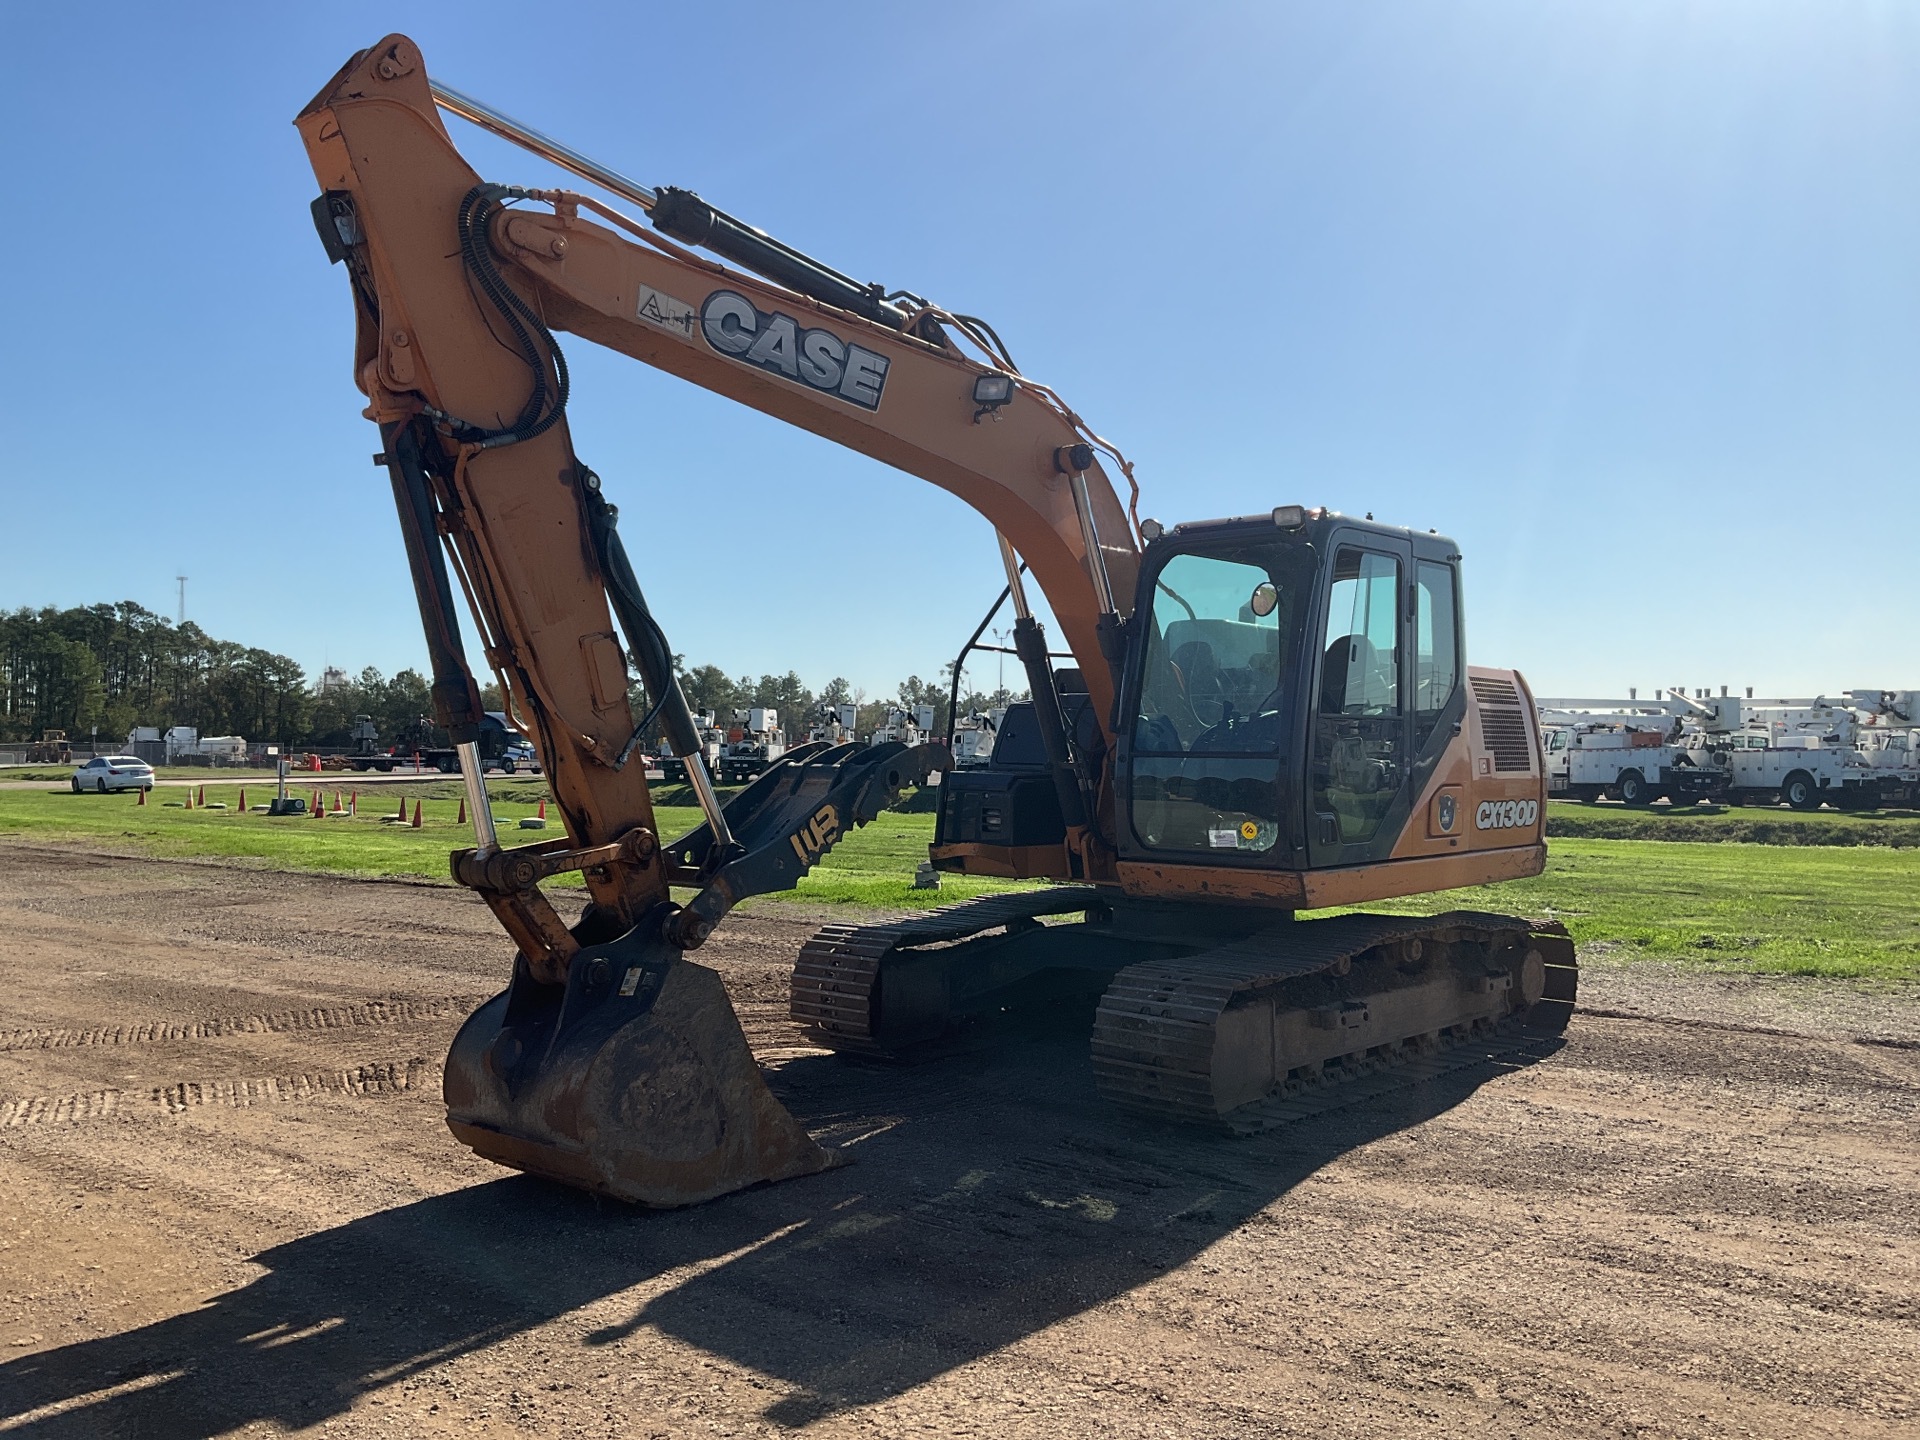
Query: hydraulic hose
{"x":651,"y":653}
{"x":456,"y":700}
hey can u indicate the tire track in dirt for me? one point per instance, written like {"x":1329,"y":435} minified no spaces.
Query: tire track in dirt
{"x":380,"y":1077}
{"x":334,"y":1017}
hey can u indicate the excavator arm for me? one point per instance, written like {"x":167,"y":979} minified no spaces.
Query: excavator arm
{"x":884,"y":376}
{"x":608,"y":1062}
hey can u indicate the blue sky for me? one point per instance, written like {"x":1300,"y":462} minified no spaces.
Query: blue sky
{"x":1624,"y":297}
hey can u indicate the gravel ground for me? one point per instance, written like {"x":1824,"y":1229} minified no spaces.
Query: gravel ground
{"x":229,"y":1205}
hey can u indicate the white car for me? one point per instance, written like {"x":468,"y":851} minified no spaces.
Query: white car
{"x":106,"y":773}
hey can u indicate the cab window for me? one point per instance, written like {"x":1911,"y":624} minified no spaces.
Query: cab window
{"x":1361,"y":674}
{"x":1436,"y":659}
{"x":1359,"y":741}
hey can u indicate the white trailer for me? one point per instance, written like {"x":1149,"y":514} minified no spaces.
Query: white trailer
{"x":224,"y":749}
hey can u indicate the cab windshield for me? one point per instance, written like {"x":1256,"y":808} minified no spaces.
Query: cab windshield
{"x":1221,"y":626}
{"x":1217,"y":695}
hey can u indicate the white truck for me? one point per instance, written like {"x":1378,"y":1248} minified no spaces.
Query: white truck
{"x":1802,"y":771}
{"x":1893,"y":756}
{"x":833,"y":724}
{"x":1801,"y":753}
{"x":754,"y":741}
{"x":712,"y":741}
{"x":973,"y":737}
{"x":1855,"y":752}
{"x":1633,"y":758}
{"x":909,"y":727}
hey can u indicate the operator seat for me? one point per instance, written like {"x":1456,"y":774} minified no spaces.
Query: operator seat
{"x":1348,"y":656}
{"x":1198,"y":668}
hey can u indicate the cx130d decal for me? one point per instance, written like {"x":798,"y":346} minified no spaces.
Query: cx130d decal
{"x":818,"y":359}
{"x":1506,"y":814}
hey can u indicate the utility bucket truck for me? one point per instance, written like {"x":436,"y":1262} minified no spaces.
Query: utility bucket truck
{"x":1624,"y":750}
{"x":1792,"y":752}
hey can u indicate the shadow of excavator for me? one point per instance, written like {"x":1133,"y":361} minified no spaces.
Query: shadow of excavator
{"x":993,"y":1195}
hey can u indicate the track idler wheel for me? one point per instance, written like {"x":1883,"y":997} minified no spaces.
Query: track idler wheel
{"x":633,"y":1079}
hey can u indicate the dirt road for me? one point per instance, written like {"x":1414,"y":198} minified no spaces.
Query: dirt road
{"x":228,"y":1204}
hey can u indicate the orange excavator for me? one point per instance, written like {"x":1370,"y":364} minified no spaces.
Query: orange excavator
{"x":1253,"y":716}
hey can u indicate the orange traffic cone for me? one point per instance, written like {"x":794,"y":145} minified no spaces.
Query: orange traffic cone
{"x":202,"y":801}
{"x":187,"y":804}
{"x":461,"y":819}
{"x":243,"y":800}
{"x":402,"y":814}
{"x":143,"y":794}
{"x":319,"y":805}
{"x":353,"y":803}
{"x":315,"y":765}
{"x":416,"y":814}
{"x":543,"y":807}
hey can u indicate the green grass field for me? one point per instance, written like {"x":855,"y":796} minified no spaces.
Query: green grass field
{"x":1819,"y":909}
{"x":1771,"y":825}
{"x":872,"y":868}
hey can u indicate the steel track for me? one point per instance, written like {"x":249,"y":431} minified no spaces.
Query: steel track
{"x":1156,"y":1026}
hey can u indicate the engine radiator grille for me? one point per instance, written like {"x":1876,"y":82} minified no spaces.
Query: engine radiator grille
{"x":1503,"y":723}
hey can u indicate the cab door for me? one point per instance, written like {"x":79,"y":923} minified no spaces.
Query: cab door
{"x":1360,"y":745}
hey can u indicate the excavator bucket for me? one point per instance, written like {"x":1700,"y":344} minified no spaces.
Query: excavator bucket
{"x":634,"y":1078}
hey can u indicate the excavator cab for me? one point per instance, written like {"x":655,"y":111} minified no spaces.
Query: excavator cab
{"x":1289,"y":691}
{"x":1289,"y":684}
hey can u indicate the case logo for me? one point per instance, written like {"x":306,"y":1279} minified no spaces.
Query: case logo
{"x":1443,"y":812}
{"x":1506,"y":814}
{"x":769,"y":340}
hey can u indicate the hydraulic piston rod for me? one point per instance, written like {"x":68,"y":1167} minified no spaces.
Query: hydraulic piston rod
{"x":545,"y":146}
{"x":486,"y":839}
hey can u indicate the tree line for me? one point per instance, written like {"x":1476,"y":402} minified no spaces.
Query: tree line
{"x":113,"y":667}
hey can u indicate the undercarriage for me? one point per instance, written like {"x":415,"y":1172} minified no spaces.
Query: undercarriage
{"x":1228,"y":1019}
